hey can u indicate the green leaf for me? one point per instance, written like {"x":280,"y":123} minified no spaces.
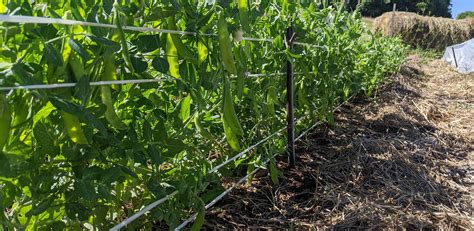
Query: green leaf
{"x":273,"y":171}
{"x":75,"y":211}
{"x":45,"y":143}
{"x":43,"y":113}
{"x":52,"y":55}
{"x":85,"y":190}
{"x":185,"y":109}
{"x":83,"y":89}
{"x":78,"y":111}
{"x":148,"y":43}
{"x":40,"y":207}
{"x":147,"y":132}
{"x":138,"y":64}
{"x":154,"y":155}
{"x":199,"y":219}
{"x":160,"y":64}
{"x":77,"y":47}
{"x":104,"y":42}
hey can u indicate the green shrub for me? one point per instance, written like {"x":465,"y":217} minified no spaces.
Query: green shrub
{"x":464,"y":15}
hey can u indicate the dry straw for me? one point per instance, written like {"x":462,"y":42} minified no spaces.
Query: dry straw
{"x":423,"y":31}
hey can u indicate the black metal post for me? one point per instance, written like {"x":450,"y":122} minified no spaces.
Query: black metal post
{"x":454,"y":55}
{"x":290,"y":102}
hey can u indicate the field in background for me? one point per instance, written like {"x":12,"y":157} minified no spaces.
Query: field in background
{"x":369,"y":22}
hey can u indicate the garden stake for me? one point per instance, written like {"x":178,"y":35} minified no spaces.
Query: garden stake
{"x":289,"y":93}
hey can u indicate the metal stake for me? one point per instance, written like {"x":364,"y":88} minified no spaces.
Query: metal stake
{"x":454,"y":55}
{"x":290,"y":102}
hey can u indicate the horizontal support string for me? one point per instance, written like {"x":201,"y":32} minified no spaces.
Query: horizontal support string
{"x":222,"y":195}
{"x":143,"y":211}
{"x":66,"y":85}
{"x":215,"y":169}
{"x":60,"y":21}
{"x":112,"y":82}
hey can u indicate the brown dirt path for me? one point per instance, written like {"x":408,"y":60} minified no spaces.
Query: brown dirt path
{"x":404,"y":160}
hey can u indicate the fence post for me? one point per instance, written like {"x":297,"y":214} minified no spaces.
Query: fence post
{"x":454,"y":56}
{"x":290,"y":35}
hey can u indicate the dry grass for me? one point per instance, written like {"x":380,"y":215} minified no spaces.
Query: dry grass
{"x":423,"y":31}
{"x":369,"y":22}
{"x":402,"y":161}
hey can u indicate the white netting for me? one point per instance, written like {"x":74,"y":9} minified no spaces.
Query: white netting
{"x":461,"y":56}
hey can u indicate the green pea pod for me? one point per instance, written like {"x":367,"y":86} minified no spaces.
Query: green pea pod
{"x":231,"y":123}
{"x":71,"y":122}
{"x":76,"y":67}
{"x":243,"y":14}
{"x":231,"y":137}
{"x":172,"y":57}
{"x":110,"y":114}
{"x":271,"y":99}
{"x":110,"y":73}
{"x":123,"y":40}
{"x":182,"y":50}
{"x":5,"y":121}
{"x":229,"y":112}
{"x":106,"y":95}
{"x":225,"y":46}
{"x":74,"y":129}
{"x":202,"y":52}
{"x":204,"y":133}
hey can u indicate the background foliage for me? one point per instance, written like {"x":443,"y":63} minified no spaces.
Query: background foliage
{"x":374,"y":8}
{"x":91,"y":156}
{"x":464,"y":15}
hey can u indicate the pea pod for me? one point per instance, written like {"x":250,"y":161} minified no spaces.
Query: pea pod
{"x":229,"y":112}
{"x":172,"y":57}
{"x":202,"y":52}
{"x":71,"y":122}
{"x":271,"y":99}
{"x":182,"y":50}
{"x":5,"y":121}
{"x":74,"y":129}
{"x":204,"y":133}
{"x":231,"y":137}
{"x":228,"y":60}
{"x":106,"y":95}
{"x":231,"y":123}
{"x":225,"y":46}
{"x":76,"y":67}
{"x":243,"y":14}
{"x":123,"y":40}
{"x":110,"y":73}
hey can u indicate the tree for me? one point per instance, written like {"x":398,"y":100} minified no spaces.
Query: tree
{"x":464,"y":15}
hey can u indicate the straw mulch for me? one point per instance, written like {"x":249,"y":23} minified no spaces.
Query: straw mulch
{"x":423,"y":31}
{"x":401,"y":161}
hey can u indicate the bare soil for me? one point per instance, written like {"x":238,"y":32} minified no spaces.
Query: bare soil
{"x":401,"y":160}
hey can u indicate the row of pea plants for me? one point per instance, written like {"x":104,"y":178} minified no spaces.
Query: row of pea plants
{"x":90,"y":156}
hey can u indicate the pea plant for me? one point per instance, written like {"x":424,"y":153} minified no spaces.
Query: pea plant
{"x":91,"y":155}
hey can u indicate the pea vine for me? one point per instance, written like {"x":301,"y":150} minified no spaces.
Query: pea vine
{"x":90,"y":156}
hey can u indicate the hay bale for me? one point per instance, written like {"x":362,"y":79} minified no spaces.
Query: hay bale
{"x":423,"y":31}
